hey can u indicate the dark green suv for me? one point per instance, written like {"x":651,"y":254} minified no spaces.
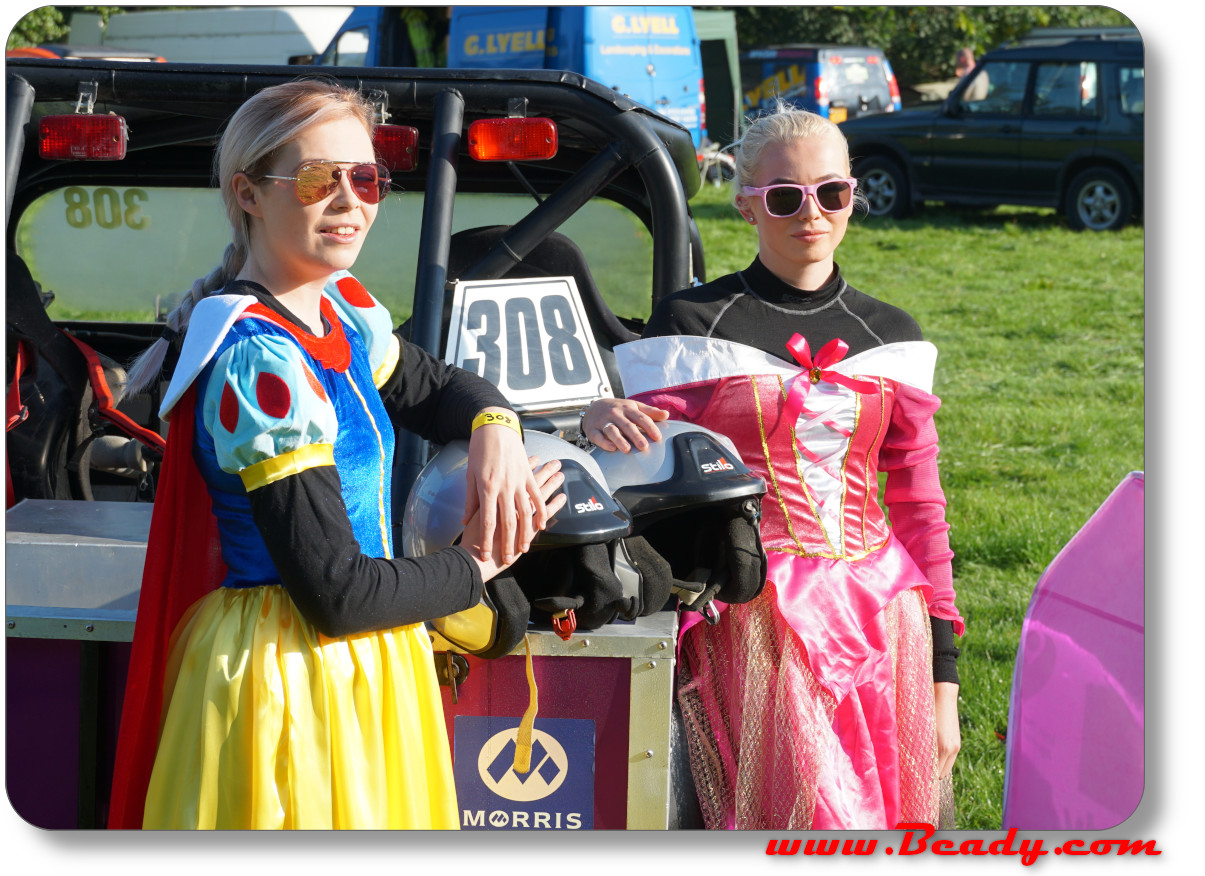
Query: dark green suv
{"x":1054,"y":125}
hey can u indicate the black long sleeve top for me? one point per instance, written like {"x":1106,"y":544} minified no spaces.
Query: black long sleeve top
{"x":305,"y":526}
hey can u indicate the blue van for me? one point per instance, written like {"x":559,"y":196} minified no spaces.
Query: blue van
{"x":649,"y":53}
{"x":837,"y":82}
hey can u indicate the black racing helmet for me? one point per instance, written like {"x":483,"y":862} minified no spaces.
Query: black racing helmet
{"x":695,"y":510}
{"x":590,"y":519}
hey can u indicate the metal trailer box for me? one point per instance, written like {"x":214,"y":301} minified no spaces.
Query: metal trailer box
{"x":73,"y":573}
{"x":614,"y":685}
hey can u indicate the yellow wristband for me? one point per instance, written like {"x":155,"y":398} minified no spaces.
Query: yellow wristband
{"x":497,"y":418}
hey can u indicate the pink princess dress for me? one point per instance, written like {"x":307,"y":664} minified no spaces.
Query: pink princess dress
{"x":812,"y":706}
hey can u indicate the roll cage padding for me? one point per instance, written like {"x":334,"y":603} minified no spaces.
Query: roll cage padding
{"x":25,"y":316}
{"x":19,"y":98}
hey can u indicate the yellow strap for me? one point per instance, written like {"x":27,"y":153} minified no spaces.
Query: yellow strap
{"x":490,"y":418}
{"x":523,"y":738}
{"x":279,"y":467}
{"x":392,"y":356}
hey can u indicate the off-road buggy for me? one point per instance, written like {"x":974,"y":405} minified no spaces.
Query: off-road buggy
{"x":111,"y":214}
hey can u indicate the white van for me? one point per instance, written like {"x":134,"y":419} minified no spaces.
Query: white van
{"x":217,"y":35}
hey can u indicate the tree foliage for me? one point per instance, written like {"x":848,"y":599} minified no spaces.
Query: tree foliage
{"x":920,"y":41}
{"x":50,"y":24}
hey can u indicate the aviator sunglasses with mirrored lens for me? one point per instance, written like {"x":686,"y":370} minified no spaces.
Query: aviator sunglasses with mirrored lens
{"x":316,"y":180}
{"x":786,"y":199}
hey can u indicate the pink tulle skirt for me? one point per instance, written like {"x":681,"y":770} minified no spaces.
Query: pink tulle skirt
{"x":774,"y":746}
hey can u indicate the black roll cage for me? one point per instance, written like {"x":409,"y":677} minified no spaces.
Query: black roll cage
{"x":610,"y":146}
{"x":201,"y":96}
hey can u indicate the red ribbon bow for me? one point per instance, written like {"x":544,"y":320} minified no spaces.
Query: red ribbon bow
{"x":819,"y":369}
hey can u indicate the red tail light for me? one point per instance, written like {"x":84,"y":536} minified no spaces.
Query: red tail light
{"x":820,"y":89}
{"x":512,"y":139}
{"x":396,"y":146}
{"x":702,"y":107}
{"x":82,"y":137}
{"x":893,"y":85}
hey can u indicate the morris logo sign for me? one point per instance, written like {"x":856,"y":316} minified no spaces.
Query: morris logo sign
{"x":556,"y":793}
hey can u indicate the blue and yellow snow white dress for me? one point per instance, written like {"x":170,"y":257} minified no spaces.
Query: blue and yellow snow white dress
{"x":267,"y":722}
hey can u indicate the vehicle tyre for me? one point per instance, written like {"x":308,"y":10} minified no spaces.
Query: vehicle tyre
{"x":885,"y":187}
{"x":1098,"y":200}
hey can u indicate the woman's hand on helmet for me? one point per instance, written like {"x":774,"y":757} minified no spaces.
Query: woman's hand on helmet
{"x":489,"y":556}
{"x":503,"y":489}
{"x":621,"y":424}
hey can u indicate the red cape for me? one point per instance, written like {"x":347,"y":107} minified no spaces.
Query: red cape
{"x":183,"y":563}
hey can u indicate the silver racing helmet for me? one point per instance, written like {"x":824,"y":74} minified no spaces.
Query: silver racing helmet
{"x":435,"y":506}
{"x":695,"y":510}
{"x":590,"y":517}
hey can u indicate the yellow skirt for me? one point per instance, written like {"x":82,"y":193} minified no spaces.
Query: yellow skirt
{"x":269,"y":724}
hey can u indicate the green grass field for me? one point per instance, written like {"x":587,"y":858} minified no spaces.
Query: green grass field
{"x":1040,"y":333}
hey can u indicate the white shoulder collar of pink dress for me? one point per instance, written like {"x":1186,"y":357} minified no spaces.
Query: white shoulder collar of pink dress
{"x":658,"y":363}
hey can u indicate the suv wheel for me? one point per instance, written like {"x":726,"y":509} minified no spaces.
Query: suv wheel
{"x":1098,"y":200}
{"x":885,"y":186}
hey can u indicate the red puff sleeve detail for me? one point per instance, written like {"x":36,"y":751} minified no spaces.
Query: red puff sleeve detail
{"x":354,"y":293}
{"x":314,"y":384}
{"x":228,"y":409}
{"x":272,"y":395}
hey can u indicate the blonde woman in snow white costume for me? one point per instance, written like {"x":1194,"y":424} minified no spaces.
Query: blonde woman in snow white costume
{"x":281,"y":675}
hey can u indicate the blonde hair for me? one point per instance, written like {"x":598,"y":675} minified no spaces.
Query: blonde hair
{"x":254,"y":136}
{"x":783,"y":123}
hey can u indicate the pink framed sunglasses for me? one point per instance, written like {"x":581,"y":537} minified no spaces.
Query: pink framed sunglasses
{"x":786,"y":199}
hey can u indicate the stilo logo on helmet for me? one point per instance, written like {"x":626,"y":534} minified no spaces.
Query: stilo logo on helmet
{"x":712,"y":467}
{"x":589,"y":507}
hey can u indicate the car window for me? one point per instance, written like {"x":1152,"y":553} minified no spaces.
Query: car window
{"x":136,"y":250}
{"x":1132,"y":87}
{"x":998,"y":88}
{"x":856,"y":76}
{"x":1065,"y":89}
{"x":350,"y":50}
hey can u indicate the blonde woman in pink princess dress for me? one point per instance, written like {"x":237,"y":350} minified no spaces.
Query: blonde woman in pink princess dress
{"x":830,"y":700}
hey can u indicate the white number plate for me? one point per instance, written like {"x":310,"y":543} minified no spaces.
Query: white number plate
{"x":530,"y":338}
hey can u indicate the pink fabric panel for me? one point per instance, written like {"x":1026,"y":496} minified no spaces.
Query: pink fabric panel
{"x":830,"y":605}
{"x":1075,"y":729}
{"x":785,"y":754}
{"x":683,"y":403}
